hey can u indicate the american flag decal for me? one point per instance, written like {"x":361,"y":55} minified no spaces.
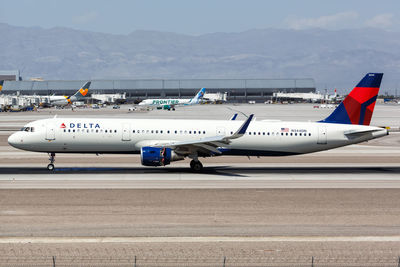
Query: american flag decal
{"x":284,"y":130}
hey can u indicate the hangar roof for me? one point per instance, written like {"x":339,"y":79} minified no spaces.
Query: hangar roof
{"x":161,"y":84}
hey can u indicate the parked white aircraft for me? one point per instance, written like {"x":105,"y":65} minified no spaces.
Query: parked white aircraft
{"x":171,"y":103}
{"x":159,"y":142}
{"x":67,"y":100}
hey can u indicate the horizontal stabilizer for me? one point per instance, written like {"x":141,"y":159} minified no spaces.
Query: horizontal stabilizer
{"x":361,"y":132}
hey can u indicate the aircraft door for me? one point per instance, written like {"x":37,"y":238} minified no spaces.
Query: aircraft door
{"x":50,"y":132}
{"x":220,"y":130}
{"x":322,"y":135}
{"x":126,"y":132}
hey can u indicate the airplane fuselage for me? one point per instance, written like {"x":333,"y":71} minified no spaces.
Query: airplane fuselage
{"x":118,"y":136}
{"x":164,"y":102}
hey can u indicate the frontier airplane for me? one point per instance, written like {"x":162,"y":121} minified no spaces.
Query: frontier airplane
{"x":171,"y":103}
{"x":161,"y":141}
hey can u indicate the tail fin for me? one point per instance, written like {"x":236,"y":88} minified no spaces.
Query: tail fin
{"x":82,"y":92}
{"x":198,"y":96}
{"x":1,"y":84}
{"x":358,"y":106}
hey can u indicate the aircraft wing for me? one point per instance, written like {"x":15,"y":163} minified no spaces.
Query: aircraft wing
{"x":206,"y":145}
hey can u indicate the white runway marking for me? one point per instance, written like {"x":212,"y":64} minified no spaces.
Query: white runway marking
{"x":195,"y":239}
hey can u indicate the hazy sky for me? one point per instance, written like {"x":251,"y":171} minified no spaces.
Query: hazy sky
{"x":202,"y":16}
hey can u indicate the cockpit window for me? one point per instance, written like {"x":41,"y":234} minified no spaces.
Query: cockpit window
{"x":27,"y":129}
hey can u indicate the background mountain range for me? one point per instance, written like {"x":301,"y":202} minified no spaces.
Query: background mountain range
{"x":333,"y":58}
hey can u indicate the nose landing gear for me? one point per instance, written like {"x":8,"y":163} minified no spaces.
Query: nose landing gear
{"x":52,"y":156}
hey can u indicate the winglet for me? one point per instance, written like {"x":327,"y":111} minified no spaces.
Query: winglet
{"x":242,"y":130}
{"x":234,"y":117}
{"x":1,"y":84}
{"x":245,"y":125}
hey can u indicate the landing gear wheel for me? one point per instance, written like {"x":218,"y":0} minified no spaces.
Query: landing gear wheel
{"x":196,"y":166}
{"x":52,"y":157}
{"x":50,"y":167}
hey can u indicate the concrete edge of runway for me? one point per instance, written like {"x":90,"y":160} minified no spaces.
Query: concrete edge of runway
{"x":196,"y":239}
{"x":199,"y":184}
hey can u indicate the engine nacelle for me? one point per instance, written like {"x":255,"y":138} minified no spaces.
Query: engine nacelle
{"x":157,"y":156}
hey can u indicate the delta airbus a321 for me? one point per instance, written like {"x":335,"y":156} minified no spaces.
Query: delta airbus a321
{"x":160,"y":141}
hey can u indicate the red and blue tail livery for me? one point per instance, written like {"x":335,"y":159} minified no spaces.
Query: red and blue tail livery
{"x":358,"y":106}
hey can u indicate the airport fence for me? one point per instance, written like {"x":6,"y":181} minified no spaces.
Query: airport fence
{"x":191,"y":262}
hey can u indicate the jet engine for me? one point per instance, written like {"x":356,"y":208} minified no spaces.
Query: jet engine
{"x":158,"y":156}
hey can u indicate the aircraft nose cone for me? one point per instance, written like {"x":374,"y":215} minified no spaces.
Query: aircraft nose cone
{"x":13,"y":140}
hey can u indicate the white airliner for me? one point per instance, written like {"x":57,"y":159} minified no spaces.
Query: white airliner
{"x":67,"y":100}
{"x":160,"y":141}
{"x":171,"y":103}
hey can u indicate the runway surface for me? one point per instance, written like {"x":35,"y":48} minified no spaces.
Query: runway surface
{"x":340,"y":206}
{"x":242,"y":176}
{"x":357,"y":226}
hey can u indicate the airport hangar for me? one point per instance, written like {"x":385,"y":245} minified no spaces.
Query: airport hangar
{"x":238,"y":90}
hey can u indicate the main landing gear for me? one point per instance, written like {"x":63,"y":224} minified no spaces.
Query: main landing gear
{"x":52,"y":156}
{"x":196,"y":166}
